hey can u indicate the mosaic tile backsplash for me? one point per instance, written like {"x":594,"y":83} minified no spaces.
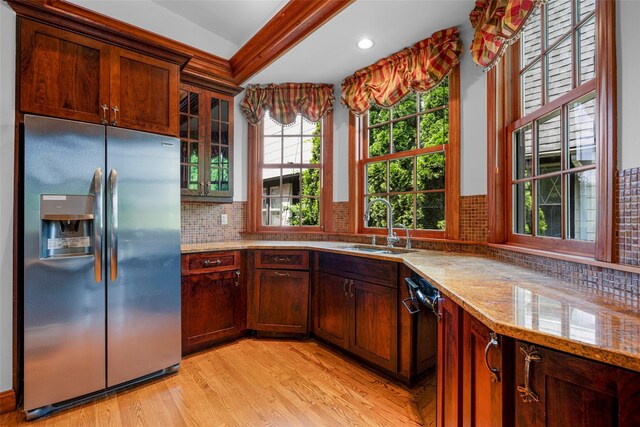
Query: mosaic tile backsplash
{"x":628,"y":216}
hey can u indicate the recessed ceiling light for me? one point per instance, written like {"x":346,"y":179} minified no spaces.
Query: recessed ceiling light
{"x":365,"y":44}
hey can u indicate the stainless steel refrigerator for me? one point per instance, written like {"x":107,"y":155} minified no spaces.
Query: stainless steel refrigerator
{"x":101,"y":259}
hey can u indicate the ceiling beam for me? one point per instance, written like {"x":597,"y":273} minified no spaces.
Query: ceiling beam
{"x":292,"y":24}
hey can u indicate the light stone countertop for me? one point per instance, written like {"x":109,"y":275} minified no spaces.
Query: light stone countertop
{"x":511,"y":300}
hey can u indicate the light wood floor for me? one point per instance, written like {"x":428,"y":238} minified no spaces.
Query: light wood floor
{"x":258,"y":383}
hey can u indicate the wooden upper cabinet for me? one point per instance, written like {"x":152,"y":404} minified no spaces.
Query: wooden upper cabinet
{"x":144,"y":92}
{"x":206,"y":144}
{"x":62,"y":74}
{"x":66,"y":75}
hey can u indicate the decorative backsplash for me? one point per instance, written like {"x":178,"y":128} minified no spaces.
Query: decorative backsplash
{"x":473,"y":218}
{"x":628,"y":216}
{"x":200,"y":222}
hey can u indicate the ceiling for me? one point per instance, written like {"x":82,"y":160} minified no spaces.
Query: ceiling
{"x":234,"y":20}
{"x":328,"y":55}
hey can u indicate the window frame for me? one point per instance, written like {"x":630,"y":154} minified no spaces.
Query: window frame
{"x":254,"y":182}
{"x":503,"y":106}
{"x":358,"y":140}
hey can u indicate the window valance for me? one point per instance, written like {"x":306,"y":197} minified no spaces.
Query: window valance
{"x":417,"y":68}
{"x":497,"y":23}
{"x":285,"y":101}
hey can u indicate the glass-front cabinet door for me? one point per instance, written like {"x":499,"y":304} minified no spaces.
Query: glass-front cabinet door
{"x":206,"y":142}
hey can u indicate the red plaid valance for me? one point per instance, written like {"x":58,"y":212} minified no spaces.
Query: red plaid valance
{"x":285,"y":101}
{"x":497,"y":23}
{"x":418,"y":68}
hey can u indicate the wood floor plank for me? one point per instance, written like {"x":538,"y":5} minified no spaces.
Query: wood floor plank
{"x":257,"y":382}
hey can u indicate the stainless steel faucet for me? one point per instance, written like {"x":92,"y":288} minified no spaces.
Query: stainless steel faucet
{"x":391,"y":236}
{"x":407,"y":244}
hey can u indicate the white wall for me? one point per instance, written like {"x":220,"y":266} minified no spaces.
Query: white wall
{"x":473,"y":117}
{"x":7,"y":112}
{"x":340,"y":149}
{"x":240,"y":159}
{"x":628,"y":40}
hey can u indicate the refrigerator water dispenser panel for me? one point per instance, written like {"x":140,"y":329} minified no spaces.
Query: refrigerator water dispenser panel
{"x":66,"y":225}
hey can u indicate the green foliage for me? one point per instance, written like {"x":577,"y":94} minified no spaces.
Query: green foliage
{"x":432,"y":130}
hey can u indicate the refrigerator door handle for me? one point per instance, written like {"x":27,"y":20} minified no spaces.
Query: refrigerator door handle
{"x":113,"y":191}
{"x":98,"y":225}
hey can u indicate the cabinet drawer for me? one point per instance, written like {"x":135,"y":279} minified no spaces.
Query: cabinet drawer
{"x":208,"y":262}
{"x":371,"y":270}
{"x":292,"y":260}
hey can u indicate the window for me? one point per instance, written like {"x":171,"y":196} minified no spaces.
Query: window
{"x":554,"y":148}
{"x":409,"y":158}
{"x":290,"y":169}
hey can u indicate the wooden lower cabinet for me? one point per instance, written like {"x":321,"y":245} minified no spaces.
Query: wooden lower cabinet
{"x":359,"y":317}
{"x":331,"y":316}
{"x":449,"y":400}
{"x":374,"y":324}
{"x":213,"y":308}
{"x":565,"y":390}
{"x":487,"y":386}
{"x":281,"y":301}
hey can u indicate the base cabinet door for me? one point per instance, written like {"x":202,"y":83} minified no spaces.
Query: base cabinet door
{"x":486,"y":376}
{"x":564,"y":390}
{"x":212,"y":308}
{"x":374,"y":323}
{"x":281,"y":301}
{"x":449,"y":394}
{"x":332,"y":309}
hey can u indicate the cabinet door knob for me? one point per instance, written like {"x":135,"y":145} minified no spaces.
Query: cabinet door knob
{"x":115,"y":115}
{"x":493,"y":372}
{"x":105,"y":110}
{"x":530,"y":355}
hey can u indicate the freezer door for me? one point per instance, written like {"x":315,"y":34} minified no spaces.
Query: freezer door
{"x":64,"y":293}
{"x":143,"y":254}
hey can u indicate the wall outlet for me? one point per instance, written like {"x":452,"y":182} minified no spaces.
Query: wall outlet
{"x":223,"y":219}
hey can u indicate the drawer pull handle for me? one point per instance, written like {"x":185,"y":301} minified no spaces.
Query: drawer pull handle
{"x":530,"y":355}
{"x":351,"y":288}
{"x":344,"y":287}
{"x":207,"y":262}
{"x":281,"y":259}
{"x":493,"y":342}
{"x":276,"y":274}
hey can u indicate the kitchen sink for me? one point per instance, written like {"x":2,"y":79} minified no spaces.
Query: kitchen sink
{"x":382,"y":250}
